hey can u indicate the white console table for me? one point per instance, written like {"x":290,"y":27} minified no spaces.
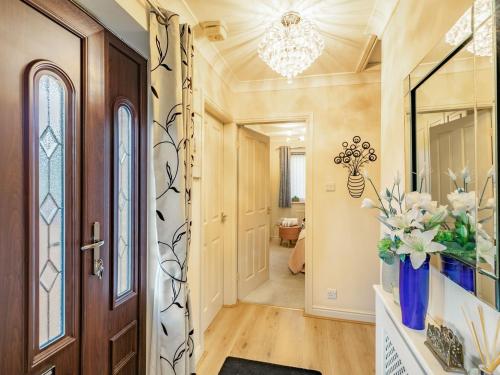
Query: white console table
{"x":400,"y":350}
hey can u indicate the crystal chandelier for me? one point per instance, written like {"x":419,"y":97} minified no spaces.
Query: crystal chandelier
{"x":290,"y":46}
{"x":483,"y":42}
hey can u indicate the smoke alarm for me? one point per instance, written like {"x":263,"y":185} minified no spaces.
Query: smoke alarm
{"x":215,"y":31}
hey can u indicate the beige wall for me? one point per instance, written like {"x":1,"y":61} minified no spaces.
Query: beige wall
{"x":415,"y":27}
{"x":342,"y":257}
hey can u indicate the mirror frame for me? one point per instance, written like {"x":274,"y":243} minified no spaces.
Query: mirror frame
{"x":410,"y":128}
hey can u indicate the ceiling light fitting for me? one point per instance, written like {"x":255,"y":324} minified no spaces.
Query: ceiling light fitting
{"x":482,"y":41}
{"x":291,"y":45}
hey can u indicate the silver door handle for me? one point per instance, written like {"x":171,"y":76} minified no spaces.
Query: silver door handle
{"x":92,"y":245}
{"x":96,"y":245}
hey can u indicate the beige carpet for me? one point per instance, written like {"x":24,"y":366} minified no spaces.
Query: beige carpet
{"x":283,"y":288}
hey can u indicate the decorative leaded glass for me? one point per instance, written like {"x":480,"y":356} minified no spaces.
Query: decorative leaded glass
{"x":124,"y":202}
{"x":51,"y":122}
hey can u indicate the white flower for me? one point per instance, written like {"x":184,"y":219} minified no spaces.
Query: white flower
{"x":435,"y":217}
{"x":397,"y":178}
{"x":408,"y":220}
{"x":462,"y":202}
{"x":486,"y":250}
{"x":490,"y":203}
{"x":418,"y":244}
{"x":421,"y":174}
{"x":491,"y":173}
{"x":452,"y":175}
{"x":465,"y":174}
{"x":418,"y":200}
{"x":368,"y":203}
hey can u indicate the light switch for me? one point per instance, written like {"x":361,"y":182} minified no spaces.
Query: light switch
{"x":330,"y":187}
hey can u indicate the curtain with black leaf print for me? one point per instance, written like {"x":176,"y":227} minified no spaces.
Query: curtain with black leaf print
{"x":170,"y":333}
{"x":285,"y":197}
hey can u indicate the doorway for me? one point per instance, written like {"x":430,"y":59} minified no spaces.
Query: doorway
{"x":281,"y":255}
{"x":74,"y":137}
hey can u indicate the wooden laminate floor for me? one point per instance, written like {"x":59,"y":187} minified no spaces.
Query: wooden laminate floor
{"x":286,"y":337}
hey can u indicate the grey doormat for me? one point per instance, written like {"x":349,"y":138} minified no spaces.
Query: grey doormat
{"x":240,"y":366}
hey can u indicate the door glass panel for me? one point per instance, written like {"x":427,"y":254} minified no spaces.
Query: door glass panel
{"x":51,"y":121}
{"x":124,"y":273}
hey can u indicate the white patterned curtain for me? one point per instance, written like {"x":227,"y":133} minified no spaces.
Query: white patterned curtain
{"x":170,"y":332}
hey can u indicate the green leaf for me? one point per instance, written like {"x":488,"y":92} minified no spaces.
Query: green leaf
{"x":387,"y":256}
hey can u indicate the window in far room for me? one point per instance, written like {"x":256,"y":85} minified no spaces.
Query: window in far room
{"x":298,"y":177}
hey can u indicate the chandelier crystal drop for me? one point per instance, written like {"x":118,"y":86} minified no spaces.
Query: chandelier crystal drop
{"x":483,"y":41}
{"x":290,"y":46}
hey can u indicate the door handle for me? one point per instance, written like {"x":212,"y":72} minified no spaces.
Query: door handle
{"x":223,"y":217}
{"x":96,"y":246}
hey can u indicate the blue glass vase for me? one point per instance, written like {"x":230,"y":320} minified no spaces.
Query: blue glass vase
{"x":414,"y":293}
{"x":459,"y":272}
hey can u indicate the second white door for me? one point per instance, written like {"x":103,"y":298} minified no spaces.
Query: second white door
{"x":253,"y":211}
{"x":213,"y":244}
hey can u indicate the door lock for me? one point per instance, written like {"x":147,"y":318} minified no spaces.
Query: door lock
{"x":96,"y":246}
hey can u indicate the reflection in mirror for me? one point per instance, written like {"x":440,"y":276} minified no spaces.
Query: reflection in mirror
{"x":486,"y":134}
{"x":451,"y":116}
{"x":446,"y":150}
{"x":408,"y":151}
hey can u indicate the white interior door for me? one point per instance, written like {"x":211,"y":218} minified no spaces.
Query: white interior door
{"x":452,"y":145}
{"x":253,"y":211}
{"x":212,"y":193}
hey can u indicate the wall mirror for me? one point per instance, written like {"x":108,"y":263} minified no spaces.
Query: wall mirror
{"x":451,"y":143}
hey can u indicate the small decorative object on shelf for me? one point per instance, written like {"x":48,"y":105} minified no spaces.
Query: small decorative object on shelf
{"x":488,"y":354}
{"x":353,"y":157}
{"x":446,"y":347}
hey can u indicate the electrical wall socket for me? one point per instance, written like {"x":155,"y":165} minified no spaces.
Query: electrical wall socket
{"x":332,"y":293}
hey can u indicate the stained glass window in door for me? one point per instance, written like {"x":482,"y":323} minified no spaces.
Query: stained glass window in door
{"x":51,"y":151}
{"x":124,"y":245}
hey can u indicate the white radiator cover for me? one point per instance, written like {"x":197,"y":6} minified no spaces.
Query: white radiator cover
{"x":400,"y":350}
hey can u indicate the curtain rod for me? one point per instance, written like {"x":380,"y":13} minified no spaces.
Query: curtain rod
{"x":291,"y":148}
{"x":155,"y":9}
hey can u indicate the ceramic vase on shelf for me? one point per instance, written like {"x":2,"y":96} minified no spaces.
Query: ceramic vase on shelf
{"x":390,"y":275}
{"x":356,"y":185}
{"x":414,"y":293}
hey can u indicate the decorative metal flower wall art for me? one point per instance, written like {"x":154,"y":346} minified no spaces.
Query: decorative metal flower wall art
{"x":354,"y":157}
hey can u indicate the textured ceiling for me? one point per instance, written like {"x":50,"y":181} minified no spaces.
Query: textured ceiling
{"x":343,"y":24}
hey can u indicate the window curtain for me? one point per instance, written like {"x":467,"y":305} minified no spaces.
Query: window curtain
{"x":170,"y":334}
{"x":285,"y":199}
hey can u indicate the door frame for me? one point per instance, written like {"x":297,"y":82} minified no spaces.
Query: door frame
{"x":306,"y":118}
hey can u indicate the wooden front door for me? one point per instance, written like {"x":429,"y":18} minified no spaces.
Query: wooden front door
{"x":72,"y":194}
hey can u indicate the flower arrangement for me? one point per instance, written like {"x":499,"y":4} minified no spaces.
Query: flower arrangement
{"x":413,"y":222}
{"x":464,"y":238}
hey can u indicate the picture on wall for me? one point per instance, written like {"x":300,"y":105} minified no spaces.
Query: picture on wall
{"x":354,"y":157}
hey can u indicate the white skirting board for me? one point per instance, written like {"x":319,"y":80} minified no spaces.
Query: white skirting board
{"x":356,"y":316}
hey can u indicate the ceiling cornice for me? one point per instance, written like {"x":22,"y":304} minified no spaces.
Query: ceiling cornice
{"x":304,"y":82}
